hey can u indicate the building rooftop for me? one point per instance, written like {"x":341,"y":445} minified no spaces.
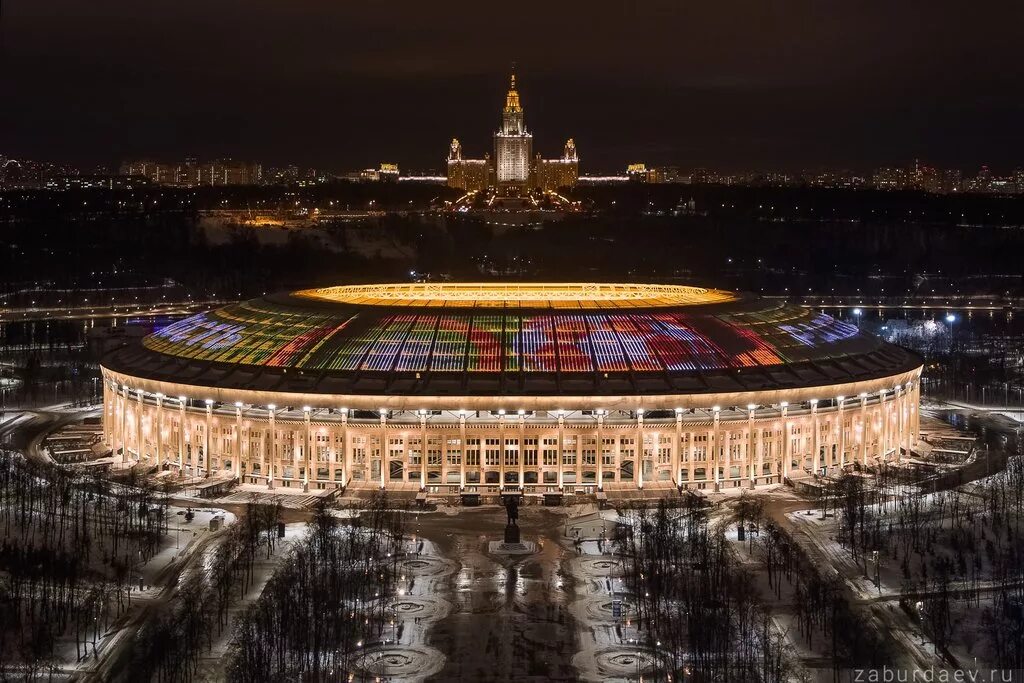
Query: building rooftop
{"x":511,"y":339}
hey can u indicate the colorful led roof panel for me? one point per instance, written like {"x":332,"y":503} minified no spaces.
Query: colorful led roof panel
{"x":342,"y":336}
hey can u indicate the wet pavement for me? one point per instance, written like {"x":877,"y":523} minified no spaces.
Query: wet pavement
{"x":509,"y":618}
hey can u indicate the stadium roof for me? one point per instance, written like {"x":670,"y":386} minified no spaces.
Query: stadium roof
{"x":508,"y":339}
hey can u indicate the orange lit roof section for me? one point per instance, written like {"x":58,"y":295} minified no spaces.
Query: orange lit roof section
{"x":571,"y":295}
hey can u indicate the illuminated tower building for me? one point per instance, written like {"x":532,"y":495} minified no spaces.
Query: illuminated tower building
{"x":467,"y":174}
{"x":553,"y":174}
{"x":513,"y":171}
{"x":513,"y":145}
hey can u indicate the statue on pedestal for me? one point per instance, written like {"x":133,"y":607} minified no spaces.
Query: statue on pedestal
{"x":512,"y":526}
{"x":512,"y":508}
{"x":512,"y":544}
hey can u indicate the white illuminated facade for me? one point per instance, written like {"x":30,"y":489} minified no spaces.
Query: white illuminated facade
{"x":489,"y":445}
{"x":513,"y":170}
{"x":513,"y":144}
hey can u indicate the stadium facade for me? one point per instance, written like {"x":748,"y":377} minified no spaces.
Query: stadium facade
{"x":489,"y":387}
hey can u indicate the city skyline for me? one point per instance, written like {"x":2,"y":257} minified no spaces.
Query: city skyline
{"x":578,"y":341}
{"x":734,"y":87}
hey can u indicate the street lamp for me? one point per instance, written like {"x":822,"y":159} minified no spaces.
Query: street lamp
{"x":857,"y":313}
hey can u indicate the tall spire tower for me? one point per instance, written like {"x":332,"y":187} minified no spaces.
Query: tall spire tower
{"x":512,"y":116}
{"x":513,"y":145}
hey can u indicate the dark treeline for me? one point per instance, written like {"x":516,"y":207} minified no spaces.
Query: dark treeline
{"x":144,"y":250}
{"x":70,"y":545}
{"x":783,"y":256}
{"x":326,"y":604}
{"x":821,"y":605}
{"x":170,"y":643}
{"x":746,"y":238}
{"x":698,"y":602}
{"x":18,"y":205}
{"x":808,"y":204}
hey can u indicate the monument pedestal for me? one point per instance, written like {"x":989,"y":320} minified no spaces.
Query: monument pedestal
{"x":513,"y":543}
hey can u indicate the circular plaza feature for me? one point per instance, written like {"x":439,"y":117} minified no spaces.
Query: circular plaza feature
{"x":466,"y":388}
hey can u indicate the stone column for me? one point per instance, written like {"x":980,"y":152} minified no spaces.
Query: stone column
{"x":907,"y":421}
{"x":108,"y":415}
{"x":159,"y":429}
{"x":640,"y":449}
{"x":501,"y":451}
{"x":676,"y":448}
{"x":263,"y":451}
{"x":208,"y":457}
{"x":691,"y":448}
{"x":600,"y":449}
{"x":916,"y":407}
{"x":423,"y":450}
{"x":272,"y":454}
{"x":482,"y":465}
{"x":384,"y":473}
{"x":522,"y":450}
{"x":724,"y":454}
{"x":815,"y":438}
{"x":332,"y":455}
{"x":842,"y":431}
{"x":181,"y":436}
{"x":716,"y":436}
{"x":618,"y":456}
{"x":579,"y":459}
{"x":787,"y":440}
{"x":463,"y":448}
{"x":759,"y":445}
{"x":864,"y":429}
{"x":237,"y":464}
{"x":346,"y":456}
{"x":561,"y":437}
{"x":897,"y":425}
{"x":138,"y":426}
{"x":124,"y":423}
{"x":751,"y":447}
{"x":308,"y":448}
{"x":884,"y":440}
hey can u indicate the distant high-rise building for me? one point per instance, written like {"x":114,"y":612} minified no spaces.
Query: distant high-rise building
{"x":191,"y":173}
{"x":637,"y":172}
{"x":467,"y":174}
{"x":555,"y":173}
{"x":981,"y":182}
{"x":951,"y":180}
{"x":513,"y":169}
{"x":889,"y":179}
{"x":919,"y":177}
{"x":513,"y":144}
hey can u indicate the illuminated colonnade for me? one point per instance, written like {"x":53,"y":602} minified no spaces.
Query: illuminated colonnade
{"x":487,"y":444}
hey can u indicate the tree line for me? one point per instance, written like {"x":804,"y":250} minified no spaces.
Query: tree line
{"x":171,"y":642}
{"x":697,"y":602}
{"x":71,"y":545}
{"x":327,"y":603}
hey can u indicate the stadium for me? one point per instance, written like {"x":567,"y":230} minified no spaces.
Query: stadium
{"x":482,"y":388}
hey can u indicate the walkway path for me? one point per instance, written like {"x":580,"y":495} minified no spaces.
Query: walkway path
{"x":510,"y":619}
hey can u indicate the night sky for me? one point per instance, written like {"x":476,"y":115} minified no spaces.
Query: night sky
{"x":341,"y":84}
